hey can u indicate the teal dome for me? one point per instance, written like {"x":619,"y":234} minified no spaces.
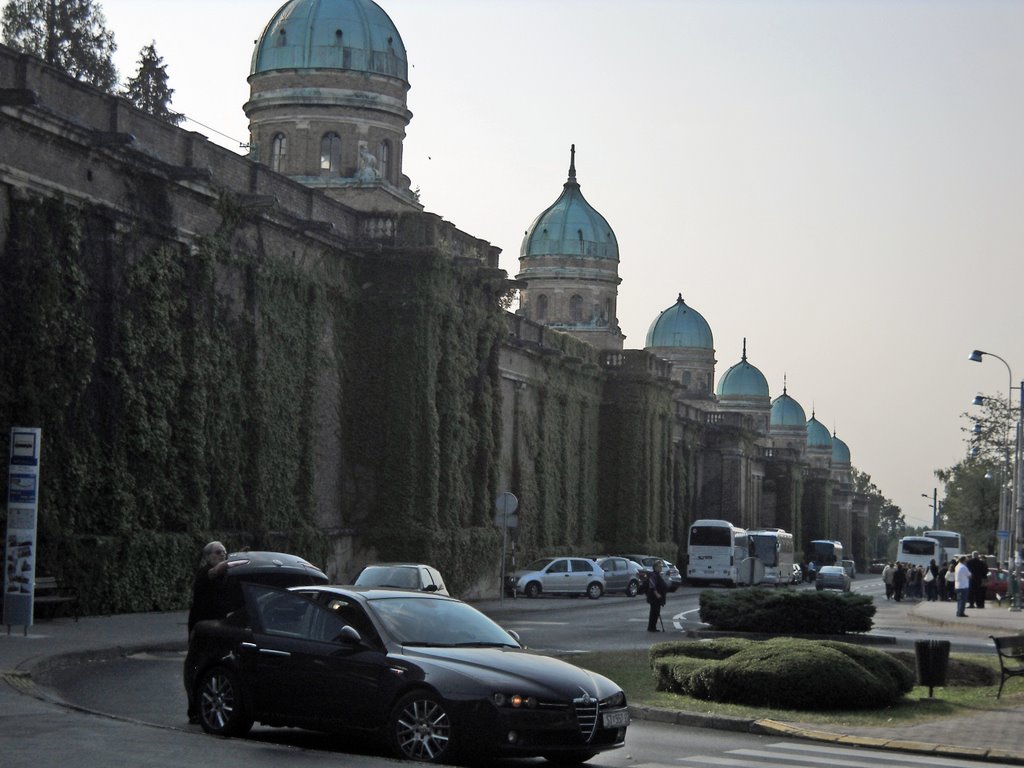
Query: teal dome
{"x":570,"y":227}
{"x":355,"y":35}
{"x":787,"y":412}
{"x":817,"y":435}
{"x":840,"y":451}
{"x":742,"y":380}
{"x":681,"y":326}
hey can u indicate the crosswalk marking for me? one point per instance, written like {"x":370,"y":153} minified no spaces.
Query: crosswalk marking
{"x":789,"y":754}
{"x":876,"y":756}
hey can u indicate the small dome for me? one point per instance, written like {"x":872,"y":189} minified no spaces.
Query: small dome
{"x":742,"y":380}
{"x":818,"y":435}
{"x":680,"y":326}
{"x":840,"y":451}
{"x":570,"y":226}
{"x":787,"y":412}
{"x":355,"y":35}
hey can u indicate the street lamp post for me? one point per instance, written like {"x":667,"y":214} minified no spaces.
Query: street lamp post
{"x":935,"y":507}
{"x":1015,"y":510}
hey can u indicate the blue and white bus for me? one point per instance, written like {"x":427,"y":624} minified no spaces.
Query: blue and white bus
{"x":774,"y":548}
{"x":824,"y":552}
{"x":714,"y":549}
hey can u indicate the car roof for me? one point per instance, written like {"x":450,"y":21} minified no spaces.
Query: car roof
{"x":371,"y":593}
{"x":241,"y":563}
{"x":830,"y":568}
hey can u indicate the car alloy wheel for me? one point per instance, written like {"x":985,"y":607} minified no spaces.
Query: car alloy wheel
{"x":532,"y":589}
{"x":594,"y":590}
{"x":420,"y":728}
{"x":633,"y":589}
{"x":221,"y":709}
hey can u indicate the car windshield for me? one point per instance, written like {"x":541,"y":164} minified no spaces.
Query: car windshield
{"x":402,"y":577}
{"x":415,"y":620}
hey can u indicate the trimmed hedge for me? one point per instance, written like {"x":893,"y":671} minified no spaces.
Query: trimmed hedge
{"x":783,"y":611}
{"x":782,"y":673}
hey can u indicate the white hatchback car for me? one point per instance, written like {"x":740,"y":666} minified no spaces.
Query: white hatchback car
{"x":557,"y":576}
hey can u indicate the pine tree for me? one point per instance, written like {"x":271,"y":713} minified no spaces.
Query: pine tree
{"x":148,"y":89}
{"x":70,"y":35}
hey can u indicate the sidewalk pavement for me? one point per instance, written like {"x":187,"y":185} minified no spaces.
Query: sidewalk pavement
{"x":991,"y":735}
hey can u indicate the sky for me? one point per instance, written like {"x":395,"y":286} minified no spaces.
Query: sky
{"x":836,"y":181}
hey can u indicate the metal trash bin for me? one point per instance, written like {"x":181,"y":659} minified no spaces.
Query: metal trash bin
{"x":932,"y":662}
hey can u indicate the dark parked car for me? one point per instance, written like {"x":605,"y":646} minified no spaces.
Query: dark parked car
{"x":424,"y":578}
{"x":670,"y":572}
{"x":621,"y":575}
{"x":276,"y":569}
{"x":431,"y":675}
{"x":832,"y":577}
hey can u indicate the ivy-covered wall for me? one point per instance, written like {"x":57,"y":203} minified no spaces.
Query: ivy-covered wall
{"x":173,"y":385}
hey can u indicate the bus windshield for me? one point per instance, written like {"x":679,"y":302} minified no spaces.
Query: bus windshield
{"x":918,"y":547}
{"x":710,"y":536}
{"x":764,"y":548}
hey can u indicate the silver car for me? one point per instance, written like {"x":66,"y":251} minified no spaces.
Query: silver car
{"x":621,"y":575}
{"x":414,"y":576}
{"x":557,"y":576}
{"x":832,"y":577}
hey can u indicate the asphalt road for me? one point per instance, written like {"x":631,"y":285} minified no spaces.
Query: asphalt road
{"x":147,"y":689}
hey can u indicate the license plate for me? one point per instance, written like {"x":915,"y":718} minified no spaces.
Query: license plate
{"x":618,"y":719}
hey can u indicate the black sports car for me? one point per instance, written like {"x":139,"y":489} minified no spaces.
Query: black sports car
{"x":433,"y":676}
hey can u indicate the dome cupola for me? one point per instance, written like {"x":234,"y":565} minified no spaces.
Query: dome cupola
{"x":682,"y":336}
{"x":818,"y":435}
{"x":569,"y":260}
{"x":840,"y":451}
{"x":327,"y":102}
{"x":353,"y":35}
{"x":680,"y":326}
{"x":743,"y":383}
{"x":787,"y":413}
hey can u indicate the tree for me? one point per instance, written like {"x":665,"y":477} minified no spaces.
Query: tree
{"x":70,"y":35}
{"x":972,"y":485}
{"x":148,"y":89}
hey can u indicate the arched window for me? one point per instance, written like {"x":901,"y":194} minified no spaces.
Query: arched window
{"x":686,"y":379}
{"x":542,"y":308}
{"x":330,"y":154}
{"x":278,"y":152}
{"x":576,"y":309}
{"x":384,"y":161}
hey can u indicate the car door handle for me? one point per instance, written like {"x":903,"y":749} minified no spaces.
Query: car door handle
{"x":272,"y":652}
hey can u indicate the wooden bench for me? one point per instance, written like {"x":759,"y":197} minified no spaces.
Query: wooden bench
{"x":1011,"y":658}
{"x":52,"y":593}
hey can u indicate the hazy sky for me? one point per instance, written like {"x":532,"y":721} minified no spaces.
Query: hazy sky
{"x":837,"y":181}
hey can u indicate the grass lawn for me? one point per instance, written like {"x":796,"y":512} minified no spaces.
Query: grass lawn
{"x":632,"y":671}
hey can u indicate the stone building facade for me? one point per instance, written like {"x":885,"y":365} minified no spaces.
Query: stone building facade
{"x":417,"y":398}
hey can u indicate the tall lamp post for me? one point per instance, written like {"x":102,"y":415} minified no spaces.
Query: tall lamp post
{"x":935,"y":507}
{"x":1014,"y":508}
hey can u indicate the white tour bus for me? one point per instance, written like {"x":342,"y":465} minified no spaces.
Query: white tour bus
{"x":919,"y":550}
{"x":714,"y":549}
{"x":951,"y":541}
{"x":774,"y":548}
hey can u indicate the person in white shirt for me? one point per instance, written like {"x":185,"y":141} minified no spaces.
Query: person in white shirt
{"x":963,"y":586}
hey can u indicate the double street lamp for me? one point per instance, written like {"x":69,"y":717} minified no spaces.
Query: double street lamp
{"x":1014,"y":519}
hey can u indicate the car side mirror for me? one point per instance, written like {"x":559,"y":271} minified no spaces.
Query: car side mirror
{"x":349,"y":636}
{"x":430,"y":588}
{"x":515,"y":636}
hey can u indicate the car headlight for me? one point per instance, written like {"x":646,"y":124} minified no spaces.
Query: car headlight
{"x":615,"y":700}
{"x":514,"y":700}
